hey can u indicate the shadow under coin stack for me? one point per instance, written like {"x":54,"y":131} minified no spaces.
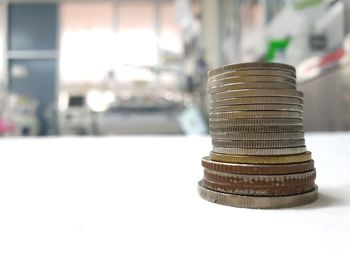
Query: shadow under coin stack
{"x":259,"y":158}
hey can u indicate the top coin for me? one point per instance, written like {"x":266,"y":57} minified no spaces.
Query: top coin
{"x":252,"y":65}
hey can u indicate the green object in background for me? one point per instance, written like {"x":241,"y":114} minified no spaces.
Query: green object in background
{"x":306,"y":4}
{"x":274,"y":46}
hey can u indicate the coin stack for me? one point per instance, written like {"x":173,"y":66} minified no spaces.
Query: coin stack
{"x":259,"y":158}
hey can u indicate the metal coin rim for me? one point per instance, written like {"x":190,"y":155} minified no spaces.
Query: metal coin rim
{"x":258,"y":144}
{"x":257,"y":202}
{"x":256,"y":114}
{"x":258,"y":136}
{"x":254,"y":122}
{"x":278,"y":81}
{"x":260,"y":151}
{"x":263,"y":177}
{"x":256,"y":107}
{"x":250,"y":86}
{"x":256,"y":129}
{"x":253,"y":72}
{"x":252,"y":79}
{"x":260,"y":191}
{"x":247,"y":93}
{"x":254,"y":159}
{"x":257,"y":100}
{"x":257,"y":169}
{"x":270,"y":185}
{"x":251,"y":65}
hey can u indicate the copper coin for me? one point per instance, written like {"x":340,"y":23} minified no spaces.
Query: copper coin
{"x":257,"y":169}
{"x":259,"y":185}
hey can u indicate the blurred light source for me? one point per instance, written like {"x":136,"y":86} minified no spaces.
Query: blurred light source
{"x":99,"y":101}
{"x":136,"y":47}
{"x":86,"y":55}
{"x":87,"y":41}
{"x":63,"y":101}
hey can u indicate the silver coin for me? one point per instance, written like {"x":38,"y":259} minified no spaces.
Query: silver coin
{"x":258,"y":144}
{"x":257,"y":107}
{"x":252,"y":79}
{"x":256,"y":114}
{"x":252,"y":72}
{"x":260,"y":202}
{"x":257,"y":100}
{"x":258,"y":136}
{"x":250,"y":66}
{"x":214,"y":122}
{"x":258,"y":152}
{"x":250,"y":86}
{"x":257,"y":93}
{"x":256,"y":129}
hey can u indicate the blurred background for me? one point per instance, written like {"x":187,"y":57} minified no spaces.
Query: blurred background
{"x":139,"y":66}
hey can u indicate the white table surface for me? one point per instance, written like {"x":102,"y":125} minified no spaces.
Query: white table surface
{"x":134,"y":199}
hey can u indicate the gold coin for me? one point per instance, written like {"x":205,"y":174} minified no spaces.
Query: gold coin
{"x":257,"y":93}
{"x":252,"y":65}
{"x":249,"y":79}
{"x":250,"y":159}
{"x":257,"y":107}
{"x":256,"y":114}
{"x":257,"y":100}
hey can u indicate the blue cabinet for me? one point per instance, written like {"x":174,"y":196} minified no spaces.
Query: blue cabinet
{"x":32,"y":27}
{"x":32,"y":34}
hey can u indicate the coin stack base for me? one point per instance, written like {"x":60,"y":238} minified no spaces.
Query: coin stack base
{"x":259,"y":158}
{"x":257,"y":202}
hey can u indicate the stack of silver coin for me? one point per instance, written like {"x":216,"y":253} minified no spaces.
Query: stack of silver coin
{"x":255,"y":119}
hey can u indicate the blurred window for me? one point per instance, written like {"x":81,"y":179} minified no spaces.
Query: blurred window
{"x":87,"y":41}
{"x":170,"y":31}
{"x":118,"y":44}
{"x":136,"y":49}
{"x":137,"y":40}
